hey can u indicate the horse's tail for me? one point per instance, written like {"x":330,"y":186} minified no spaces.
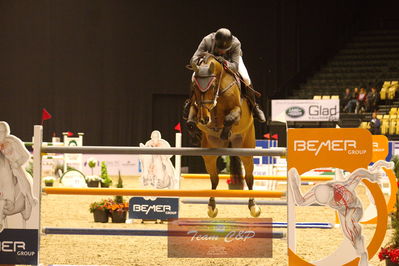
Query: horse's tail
{"x":236,"y":175}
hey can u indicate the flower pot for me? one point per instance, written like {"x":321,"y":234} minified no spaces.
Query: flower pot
{"x":100,"y":216}
{"x":388,"y":262}
{"x":104,"y":185}
{"x":236,"y":186}
{"x":93,"y":183}
{"x":118,"y":217}
{"x":48,"y":184}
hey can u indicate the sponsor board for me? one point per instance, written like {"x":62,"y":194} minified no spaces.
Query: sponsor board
{"x":305,"y":110}
{"x":220,"y":238}
{"x":158,"y":209}
{"x":19,"y":246}
{"x":329,"y":147}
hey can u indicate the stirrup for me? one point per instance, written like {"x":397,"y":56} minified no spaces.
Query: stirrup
{"x":259,"y":115}
{"x":186,"y":109}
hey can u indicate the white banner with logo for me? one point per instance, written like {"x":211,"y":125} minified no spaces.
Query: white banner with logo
{"x":305,"y":110}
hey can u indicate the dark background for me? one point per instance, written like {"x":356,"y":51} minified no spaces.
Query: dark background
{"x":115,"y":70}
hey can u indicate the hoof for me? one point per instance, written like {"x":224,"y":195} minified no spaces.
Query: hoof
{"x":255,"y":211}
{"x":212,"y":213}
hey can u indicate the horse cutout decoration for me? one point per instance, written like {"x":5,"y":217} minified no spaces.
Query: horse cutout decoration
{"x":225,"y":120}
{"x":16,"y":195}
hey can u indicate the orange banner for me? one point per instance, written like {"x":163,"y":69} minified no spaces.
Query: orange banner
{"x":344,"y":148}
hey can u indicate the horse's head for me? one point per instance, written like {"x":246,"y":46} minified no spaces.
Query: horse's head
{"x":206,"y":87}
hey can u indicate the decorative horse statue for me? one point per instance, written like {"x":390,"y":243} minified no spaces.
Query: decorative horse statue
{"x":225,"y":120}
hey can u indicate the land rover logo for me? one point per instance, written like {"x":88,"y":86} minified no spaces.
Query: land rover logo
{"x":295,"y":112}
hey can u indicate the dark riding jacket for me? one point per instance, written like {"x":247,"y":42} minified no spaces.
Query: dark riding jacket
{"x":208,"y":45}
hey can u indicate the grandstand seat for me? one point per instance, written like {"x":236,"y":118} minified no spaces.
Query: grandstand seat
{"x":365,"y":125}
{"x":385,"y":125}
{"x":393,"y":89}
{"x":334,"y":97}
{"x":325,"y":97}
{"x":392,"y":127}
{"x":316,"y":97}
{"x":393,"y":111}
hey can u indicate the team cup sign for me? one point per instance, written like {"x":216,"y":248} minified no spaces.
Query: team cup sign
{"x":220,"y":238}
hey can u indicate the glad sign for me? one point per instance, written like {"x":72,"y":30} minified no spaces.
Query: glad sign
{"x":329,"y":147}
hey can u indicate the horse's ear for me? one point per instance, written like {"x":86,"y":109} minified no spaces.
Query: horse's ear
{"x":211,"y":67}
{"x":194,"y":67}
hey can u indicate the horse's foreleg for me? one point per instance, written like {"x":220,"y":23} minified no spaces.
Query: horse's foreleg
{"x":211,"y":168}
{"x":249,"y":179}
{"x":229,"y":120}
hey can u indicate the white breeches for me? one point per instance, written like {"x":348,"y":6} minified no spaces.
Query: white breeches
{"x":243,"y":72}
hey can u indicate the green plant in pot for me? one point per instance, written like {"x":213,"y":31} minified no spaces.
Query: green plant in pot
{"x":106,"y":181}
{"x":390,"y":253}
{"x":119,"y":207}
{"x":92,"y":180}
{"x":49,"y":181}
{"x":100,"y":210}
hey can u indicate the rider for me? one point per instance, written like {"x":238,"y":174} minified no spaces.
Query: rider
{"x":227,"y":49}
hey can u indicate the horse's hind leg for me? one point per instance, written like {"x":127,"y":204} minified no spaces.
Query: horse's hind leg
{"x":211,"y":168}
{"x":249,"y":179}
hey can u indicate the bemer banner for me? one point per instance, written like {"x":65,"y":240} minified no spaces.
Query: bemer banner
{"x":305,"y":110}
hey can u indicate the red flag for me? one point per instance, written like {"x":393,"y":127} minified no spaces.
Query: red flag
{"x":70,"y":134}
{"x":45,"y":115}
{"x":178,"y":127}
{"x":275,"y":136}
{"x":266,"y":136}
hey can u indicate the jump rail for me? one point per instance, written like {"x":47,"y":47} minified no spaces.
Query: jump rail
{"x":167,"y":193}
{"x":166,"y":151}
{"x":260,"y":177}
{"x":132,"y":232}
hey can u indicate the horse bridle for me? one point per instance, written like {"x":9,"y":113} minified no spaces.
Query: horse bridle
{"x":218,"y":92}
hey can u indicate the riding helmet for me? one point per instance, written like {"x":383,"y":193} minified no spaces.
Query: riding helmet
{"x":223,"y":39}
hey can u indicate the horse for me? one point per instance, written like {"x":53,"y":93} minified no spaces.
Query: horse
{"x":225,"y":121}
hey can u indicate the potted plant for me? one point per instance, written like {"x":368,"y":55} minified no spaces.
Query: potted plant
{"x":105,"y":180}
{"x":390,"y":253}
{"x":118,"y":211}
{"x":49,"y":181}
{"x":119,"y":207}
{"x":100,"y":211}
{"x":92,"y":180}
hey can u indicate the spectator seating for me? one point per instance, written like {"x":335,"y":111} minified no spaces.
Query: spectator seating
{"x":325,"y":97}
{"x":388,"y":90}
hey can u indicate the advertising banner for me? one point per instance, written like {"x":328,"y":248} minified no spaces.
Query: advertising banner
{"x":305,"y":110}
{"x":19,"y":203}
{"x":220,"y":238}
{"x":158,"y":209}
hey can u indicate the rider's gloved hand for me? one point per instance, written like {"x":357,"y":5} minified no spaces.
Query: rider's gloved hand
{"x":221,"y":60}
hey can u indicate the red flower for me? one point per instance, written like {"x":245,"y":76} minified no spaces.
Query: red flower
{"x":228,"y":181}
{"x":390,"y":253}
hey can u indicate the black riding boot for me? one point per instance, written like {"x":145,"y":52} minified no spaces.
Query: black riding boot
{"x":254,"y":107}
